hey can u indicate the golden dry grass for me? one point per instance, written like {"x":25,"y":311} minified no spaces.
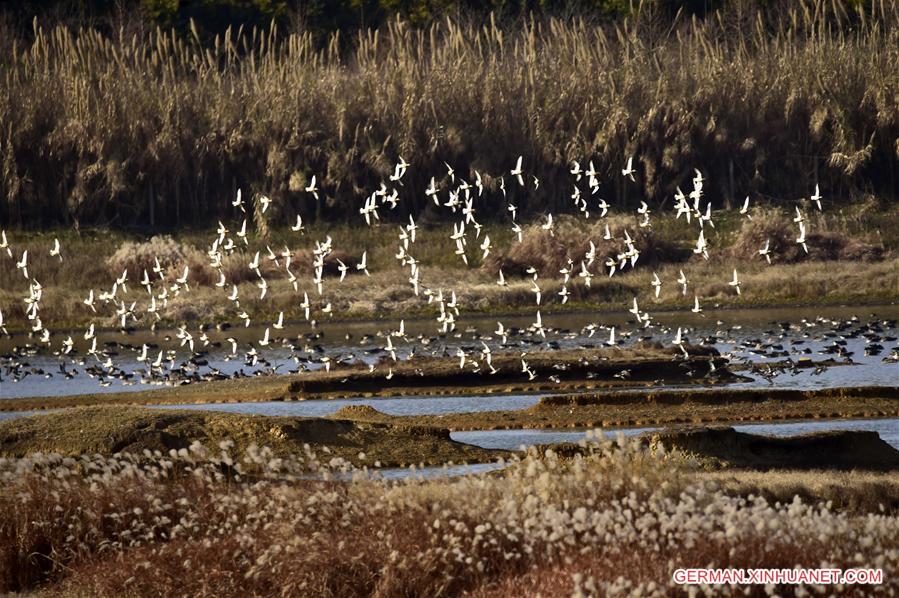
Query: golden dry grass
{"x":158,"y":129}
{"x":93,"y":259}
{"x":213,"y":521}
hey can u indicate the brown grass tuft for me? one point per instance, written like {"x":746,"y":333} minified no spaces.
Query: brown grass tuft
{"x":137,"y":257}
{"x":570,"y":240}
{"x":774,"y":226}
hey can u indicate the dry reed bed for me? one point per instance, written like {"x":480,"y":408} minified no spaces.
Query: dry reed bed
{"x":207,"y":522}
{"x":159,"y":129}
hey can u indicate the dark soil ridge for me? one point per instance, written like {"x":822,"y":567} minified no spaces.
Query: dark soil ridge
{"x":123,"y":429}
{"x":843,"y":450}
{"x":660,"y":371}
{"x":660,"y":408}
{"x":718,"y":396}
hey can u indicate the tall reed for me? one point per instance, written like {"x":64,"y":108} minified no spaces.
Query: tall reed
{"x":161,"y":130}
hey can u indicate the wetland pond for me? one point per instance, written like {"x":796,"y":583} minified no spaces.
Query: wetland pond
{"x":866,"y":334}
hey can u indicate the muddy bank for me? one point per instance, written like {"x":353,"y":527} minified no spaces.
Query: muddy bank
{"x":655,"y":408}
{"x":111,"y":429}
{"x":721,"y":396}
{"x":726,"y":447}
{"x":553,"y":370}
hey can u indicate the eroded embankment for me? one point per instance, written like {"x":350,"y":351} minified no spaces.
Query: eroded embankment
{"x":551,"y":370}
{"x":113,"y":429}
{"x":843,"y":449}
{"x":665,"y":407}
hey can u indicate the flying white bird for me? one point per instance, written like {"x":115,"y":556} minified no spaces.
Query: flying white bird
{"x":431,"y":191}
{"x":536,"y":291}
{"x":361,"y":266}
{"x":696,"y":307}
{"x":90,"y":301}
{"x":735,"y":282}
{"x":238,"y":202}
{"x":516,"y":172}
{"x":576,"y":170}
{"x":682,"y":280}
{"x":55,"y":251}
{"x":636,"y":311}
{"x":801,"y":238}
{"x":242,"y":233}
{"x":548,"y":225}
{"x":342,"y":268}
{"x":305,"y":305}
{"x":766,"y":250}
{"x":745,"y":209}
{"x":679,"y":342}
{"x":501,"y":331}
{"x":628,"y":170}
{"x":612,"y":342}
{"x":22,"y":264}
{"x":817,"y":197}
{"x":311,"y":188}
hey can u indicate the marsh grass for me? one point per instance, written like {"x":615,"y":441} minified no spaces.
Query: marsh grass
{"x":155,"y":129}
{"x":859,"y":264}
{"x":215,"y":522}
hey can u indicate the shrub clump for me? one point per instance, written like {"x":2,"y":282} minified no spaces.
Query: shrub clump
{"x":173,"y":256}
{"x":777,"y":229}
{"x":303,"y":261}
{"x":548,"y":252}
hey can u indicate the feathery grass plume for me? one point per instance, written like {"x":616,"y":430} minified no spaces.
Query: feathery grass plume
{"x":614,"y":516}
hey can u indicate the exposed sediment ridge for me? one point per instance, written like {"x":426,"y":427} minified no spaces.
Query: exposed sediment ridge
{"x":114,"y":429}
{"x":660,"y":408}
{"x":821,"y":450}
{"x":718,"y":396}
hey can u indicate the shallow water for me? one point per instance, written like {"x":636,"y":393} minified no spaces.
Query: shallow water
{"x":733,"y":330}
{"x":516,"y":439}
{"x":887,"y":428}
{"x":15,"y":414}
{"x":411,"y":405}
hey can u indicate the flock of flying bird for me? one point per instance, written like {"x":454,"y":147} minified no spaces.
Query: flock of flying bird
{"x":451,"y":193}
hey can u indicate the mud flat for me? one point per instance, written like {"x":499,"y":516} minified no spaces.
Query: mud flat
{"x":663,"y":407}
{"x":118,"y":429}
{"x":571,"y":369}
